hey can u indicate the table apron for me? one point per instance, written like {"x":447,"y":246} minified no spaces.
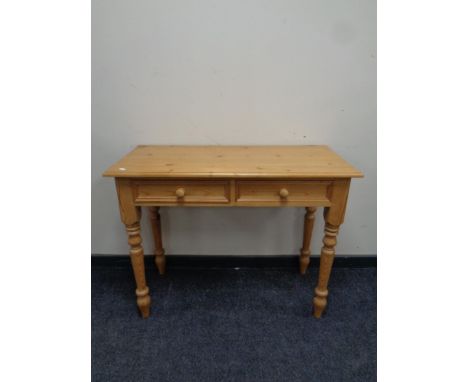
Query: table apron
{"x":232,"y":193}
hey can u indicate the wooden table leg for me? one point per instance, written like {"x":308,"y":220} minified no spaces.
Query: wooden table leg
{"x":309,"y":219}
{"x":160,"y":259}
{"x":138,"y":264}
{"x":130,"y":215}
{"x":334,"y":216}
{"x":326,"y":262}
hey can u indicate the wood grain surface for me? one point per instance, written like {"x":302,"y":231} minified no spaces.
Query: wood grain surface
{"x":308,"y":162}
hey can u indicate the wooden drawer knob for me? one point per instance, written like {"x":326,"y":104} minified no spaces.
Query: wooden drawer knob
{"x":284,"y":193}
{"x":180,"y":192}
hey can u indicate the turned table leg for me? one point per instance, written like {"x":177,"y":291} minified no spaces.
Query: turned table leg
{"x":160,"y":259}
{"x":138,"y":265}
{"x":334,"y":216}
{"x":130,"y":216}
{"x":326,"y":262}
{"x":309,"y":219}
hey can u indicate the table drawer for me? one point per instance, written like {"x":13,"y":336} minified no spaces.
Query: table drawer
{"x":283,"y":192}
{"x":182,"y":192}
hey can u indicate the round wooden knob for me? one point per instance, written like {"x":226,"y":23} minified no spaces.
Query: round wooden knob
{"x":180,"y":192}
{"x":284,"y":193}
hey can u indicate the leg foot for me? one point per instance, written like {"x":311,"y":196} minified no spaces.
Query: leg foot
{"x":161,"y":264}
{"x":320,"y":302}
{"x":143,"y":302}
{"x":304,"y":262}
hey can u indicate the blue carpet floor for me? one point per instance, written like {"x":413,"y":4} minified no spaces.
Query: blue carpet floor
{"x":233,"y":325}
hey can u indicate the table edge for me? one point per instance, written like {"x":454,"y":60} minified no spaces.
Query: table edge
{"x":204,"y":175}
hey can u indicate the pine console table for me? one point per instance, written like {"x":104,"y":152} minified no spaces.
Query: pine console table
{"x":231,"y":176}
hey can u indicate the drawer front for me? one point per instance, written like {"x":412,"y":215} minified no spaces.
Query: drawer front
{"x":294,"y":193}
{"x":181,"y":192}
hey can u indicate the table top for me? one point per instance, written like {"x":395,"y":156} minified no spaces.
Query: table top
{"x":303,"y":162}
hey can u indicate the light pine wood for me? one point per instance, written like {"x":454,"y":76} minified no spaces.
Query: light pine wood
{"x":334,"y":216}
{"x":136,"y":256}
{"x":181,"y":192}
{"x":160,"y":258}
{"x":326,"y":261}
{"x":130,"y":216}
{"x":231,"y":176}
{"x":307,"y":162}
{"x":230,"y":193}
{"x":283,"y":193}
{"x":309,"y":220}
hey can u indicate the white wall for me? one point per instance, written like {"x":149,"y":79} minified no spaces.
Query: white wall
{"x":234,"y":72}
